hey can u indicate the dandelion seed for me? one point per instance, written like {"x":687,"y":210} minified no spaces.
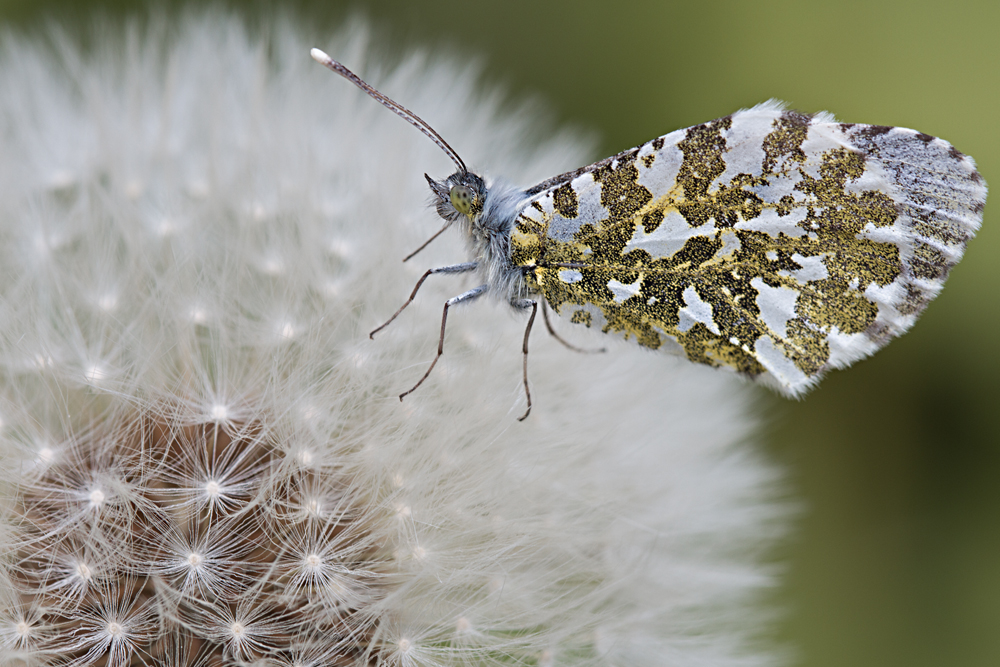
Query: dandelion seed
{"x":198,"y":189}
{"x":341,"y":249}
{"x":313,"y":507}
{"x":198,"y":315}
{"x":134,"y":190}
{"x":107,"y":302}
{"x":61,"y":180}
{"x":41,"y":247}
{"x":258,"y":212}
{"x":46,"y":455}
{"x":332,"y":288}
{"x":95,"y":374}
{"x":309,"y":412}
{"x":83,"y":571}
{"x":272,"y":266}
{"x":96,"y":498}
{"x":166,"y":227}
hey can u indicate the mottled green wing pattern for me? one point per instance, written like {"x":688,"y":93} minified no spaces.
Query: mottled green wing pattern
{"x":770,"y":242}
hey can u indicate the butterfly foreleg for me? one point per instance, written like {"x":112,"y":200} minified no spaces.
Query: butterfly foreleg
{"x":454,"y":268}
{"x":473,"y":293}
{"x":427,"y":242}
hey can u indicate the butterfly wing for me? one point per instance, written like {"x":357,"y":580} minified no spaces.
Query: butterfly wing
{"x":769,"y":242}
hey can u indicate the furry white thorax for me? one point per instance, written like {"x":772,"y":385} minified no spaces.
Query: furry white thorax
{"x":487,"y":233}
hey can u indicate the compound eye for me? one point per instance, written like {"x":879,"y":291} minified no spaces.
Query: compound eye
{"x":462,"y":199}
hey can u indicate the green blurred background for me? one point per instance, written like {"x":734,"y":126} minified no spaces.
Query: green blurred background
{"x":896,"y":559}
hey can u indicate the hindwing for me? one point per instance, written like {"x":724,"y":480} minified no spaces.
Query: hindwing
{"x":771,"y":242}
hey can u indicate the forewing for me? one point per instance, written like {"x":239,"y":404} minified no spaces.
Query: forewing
{"x":770,"y":242}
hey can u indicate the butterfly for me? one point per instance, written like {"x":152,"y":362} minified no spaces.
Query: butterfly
{"x":768,"y":242}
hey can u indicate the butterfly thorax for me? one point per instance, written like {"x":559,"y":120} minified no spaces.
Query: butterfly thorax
{"x":486,"y":217}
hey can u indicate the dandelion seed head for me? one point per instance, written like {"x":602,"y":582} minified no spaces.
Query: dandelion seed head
{"x":178,"y":474}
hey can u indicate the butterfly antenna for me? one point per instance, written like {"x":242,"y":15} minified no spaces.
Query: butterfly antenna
{"x":401,"y":111}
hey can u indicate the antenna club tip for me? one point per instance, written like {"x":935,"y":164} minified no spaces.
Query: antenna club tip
{"x":320,"y":57}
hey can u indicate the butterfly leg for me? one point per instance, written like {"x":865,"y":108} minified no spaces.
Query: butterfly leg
{"x":454,"y":268}
{"x":473,"y":293}
{"x":524,"y":304}
{"x":427,"y":242}
{"x":552,"y":332}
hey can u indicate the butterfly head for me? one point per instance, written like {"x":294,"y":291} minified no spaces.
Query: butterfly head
{"x":460,"y":196}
